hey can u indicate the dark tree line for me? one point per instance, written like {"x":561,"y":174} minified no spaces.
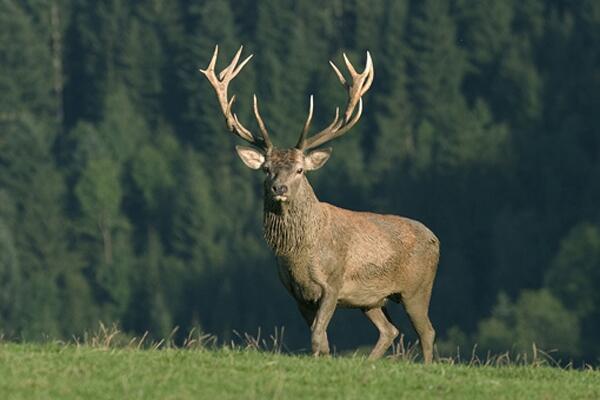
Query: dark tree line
{"x":121,"y":198}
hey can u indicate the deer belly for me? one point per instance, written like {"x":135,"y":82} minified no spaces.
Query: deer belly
{"x":356,"y":294}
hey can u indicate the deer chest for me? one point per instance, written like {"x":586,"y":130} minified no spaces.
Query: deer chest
{"x":297,"y":279}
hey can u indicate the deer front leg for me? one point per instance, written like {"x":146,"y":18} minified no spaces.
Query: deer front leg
{"x":309,"y":313}
{"x":327,"y":305}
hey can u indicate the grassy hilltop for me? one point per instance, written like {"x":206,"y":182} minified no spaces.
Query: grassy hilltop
{"x":85,"y":372}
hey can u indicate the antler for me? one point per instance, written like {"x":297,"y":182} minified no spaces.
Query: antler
{"x":359,"y":86}
{"x":220,"y":85}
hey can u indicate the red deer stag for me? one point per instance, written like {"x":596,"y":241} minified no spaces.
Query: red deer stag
{"x":328,"y":256}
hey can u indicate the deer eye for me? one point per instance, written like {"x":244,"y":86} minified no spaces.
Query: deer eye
{"x":299,"y":170}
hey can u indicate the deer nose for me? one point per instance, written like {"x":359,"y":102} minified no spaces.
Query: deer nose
{"x":279,"y":189}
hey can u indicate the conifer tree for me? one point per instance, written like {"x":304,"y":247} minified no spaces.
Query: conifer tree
{"x":37,"y":190}
{"x":393,"y":137}
{"x":11,"y":285}
{"x":25,"y":66}
{"x":207,"y":24}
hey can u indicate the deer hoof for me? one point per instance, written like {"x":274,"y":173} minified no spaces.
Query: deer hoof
{"x":320,"y":346}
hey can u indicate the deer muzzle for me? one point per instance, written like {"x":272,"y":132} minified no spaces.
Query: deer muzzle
{"x":279,"y":192}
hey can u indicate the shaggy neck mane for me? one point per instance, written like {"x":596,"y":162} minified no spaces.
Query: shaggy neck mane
{"x":288,"y":227}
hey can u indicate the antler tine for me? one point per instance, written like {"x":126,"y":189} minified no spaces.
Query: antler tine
{"x":212,"y":63}
{"x":338,"y":73}
{"x":349,"y":65}
{"x":232,"y":64}
{"x":242,"y":131}
{"x":220,"y":84}
{"x":261,"y":125}
{"x":361,"y":82}
{"x":336,"y":123}
{"x":239,"y":68}
{"x":370,"y":76}
{"x":233,"y":69}
{"x":228,"y":111}
{"x":302,"y":140}
{"x":336,"y":131}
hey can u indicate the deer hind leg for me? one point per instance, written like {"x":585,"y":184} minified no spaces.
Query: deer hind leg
{"x":417,"y":309}
{"x":387,"y":331}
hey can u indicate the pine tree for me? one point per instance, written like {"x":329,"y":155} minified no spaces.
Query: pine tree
{"x":277,"y":30}
{"x":207,"y":24}
{"x":192,"y":239}
{"x":11,"y":289}
{"x":394,"y":141}
{"x":144,"y":59}
{"x":99,"y":194}
{"x":93,"y":37}
{"x":25,"y":66}
{"x":147,"y":310}
{"x":37,"y":189}
{"x":195,"y":219}
{"x":437,"y":67}
{"x":103,"y":231}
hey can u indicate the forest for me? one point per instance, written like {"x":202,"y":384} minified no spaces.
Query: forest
{"x":122,"y":200}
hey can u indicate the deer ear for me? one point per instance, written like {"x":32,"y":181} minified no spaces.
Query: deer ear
{"x":253,"y":158}
{"x":317,"y":158}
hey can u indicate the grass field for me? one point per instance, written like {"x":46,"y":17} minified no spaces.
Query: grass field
{"x":84,"y":372}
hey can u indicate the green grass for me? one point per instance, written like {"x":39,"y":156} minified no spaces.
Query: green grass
{"x":86,"y":372}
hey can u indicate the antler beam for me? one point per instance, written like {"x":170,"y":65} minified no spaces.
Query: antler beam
{"x":220,"y":84}
{"x":361,"y":82}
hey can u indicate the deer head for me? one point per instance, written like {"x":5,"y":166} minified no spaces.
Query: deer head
{"x":285,"y":168}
